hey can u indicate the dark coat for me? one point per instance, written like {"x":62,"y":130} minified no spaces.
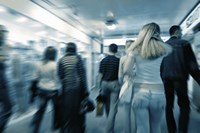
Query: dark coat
{"x":180,"y":62}
{"x":73,"y":77}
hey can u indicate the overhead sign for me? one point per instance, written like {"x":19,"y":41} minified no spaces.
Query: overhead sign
{"x":192,"y":20}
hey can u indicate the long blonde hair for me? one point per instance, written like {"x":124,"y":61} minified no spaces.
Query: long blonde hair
{"x":149,"y":43}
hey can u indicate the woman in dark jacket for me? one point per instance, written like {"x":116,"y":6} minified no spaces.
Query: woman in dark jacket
{"x":73,"y":78}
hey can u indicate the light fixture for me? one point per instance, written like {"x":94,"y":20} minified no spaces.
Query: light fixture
{"x":111,"y":27}
{"x":111,"y":24}
{"x":41,"y":33}
{"x":21,"y":19}
{"x":36,"y":25}
{"x":2,"y":9}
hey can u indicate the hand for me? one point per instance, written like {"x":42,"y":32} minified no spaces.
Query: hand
{"x":59,"y":92}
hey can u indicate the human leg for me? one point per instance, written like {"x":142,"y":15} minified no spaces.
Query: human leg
{"x":6,"y":109}
{"x":141,"y":113}
{"x":156,"y":111}
{"x":56,"y":123}
{"x":113,"y":112}
{"x":183,"y":102}
{"x":106,"y":93}
{"x":127,"y":117}
{"x":37,"y":118}
{"x":169,"y":95}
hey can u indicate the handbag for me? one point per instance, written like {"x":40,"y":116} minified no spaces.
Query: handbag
{"x":99,"y":108}
{"x":126,"y":91}
{"x":86,"y":106}
{"x":100,"y":100}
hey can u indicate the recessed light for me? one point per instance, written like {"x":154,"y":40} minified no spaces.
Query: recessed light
{"x":21,"y":19}
{"x":2,"y":9}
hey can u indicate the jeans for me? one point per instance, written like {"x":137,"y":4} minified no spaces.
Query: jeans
{"x":126,"y":99}
{"x":180,"y":89}
{"x":45,"y":96}
{"x":148,"y":104}
{"x":111,"y":90}
{"x":127,"y":118}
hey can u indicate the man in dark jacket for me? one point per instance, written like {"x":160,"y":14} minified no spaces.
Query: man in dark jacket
{"x":175,"y":70}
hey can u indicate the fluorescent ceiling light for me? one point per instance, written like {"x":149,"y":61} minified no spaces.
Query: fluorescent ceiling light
{"x":61,"y":35}
{"x":36,"y":25}
{"x":111,"y":26}
{"x":111,"y":23}
{"x":2,"y":9}
{"x":41,"y":33}
{"x":21,"y":19}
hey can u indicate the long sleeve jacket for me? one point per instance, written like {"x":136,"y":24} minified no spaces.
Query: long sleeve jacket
{"x":180,"y":62}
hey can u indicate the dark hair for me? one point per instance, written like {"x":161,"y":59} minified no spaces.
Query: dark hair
{"x":113,"y":48}
{"x":3,"y":28}
{"x":173,"y":29}
{"x":130,"y":41}
{"x":50,"y":54}
{"x":71,"y":47}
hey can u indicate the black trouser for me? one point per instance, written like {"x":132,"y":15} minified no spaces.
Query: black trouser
{"x":72,"y":120}
{"x":180,"y":89}
{"x":6,"y":108}
{"x":45,"y":96}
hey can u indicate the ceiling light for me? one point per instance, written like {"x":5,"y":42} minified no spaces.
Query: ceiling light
{"x":2,"y":9}
{"x":111,"y":24}
{"x":36,"y":25}
{"x":41,"y":33}
{"x":21,"y":19}
{"x":111,"y":27}
{"x":61,"y":35}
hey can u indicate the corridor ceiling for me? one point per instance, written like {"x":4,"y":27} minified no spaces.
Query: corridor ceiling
{"x":90,"y":16}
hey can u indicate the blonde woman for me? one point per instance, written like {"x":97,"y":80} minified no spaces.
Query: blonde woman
{"x":148,"y":102}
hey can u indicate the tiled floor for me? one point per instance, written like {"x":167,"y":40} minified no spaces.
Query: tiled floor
{"x":94,"y":124}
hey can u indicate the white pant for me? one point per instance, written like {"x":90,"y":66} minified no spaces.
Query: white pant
{"x":148,"y":105}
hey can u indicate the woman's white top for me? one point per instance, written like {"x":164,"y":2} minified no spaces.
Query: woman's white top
{"x":147,"y":70}
{"x":47,"y":76}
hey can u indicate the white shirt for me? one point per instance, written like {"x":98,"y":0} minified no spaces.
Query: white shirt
{"x":47,"y":76}
{"x":148,"y":70}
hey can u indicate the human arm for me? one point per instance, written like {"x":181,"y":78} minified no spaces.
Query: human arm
{"x":83,"y":78}
{"x":129,"y":65}
{"x":100,"y":75}
{"x":86,"y":104}
{"x":60,"y":70}
{"x":99,"y":80}
{"x":120,"y":72}
{"x":192,"y":64}
{"x":34,"y":83}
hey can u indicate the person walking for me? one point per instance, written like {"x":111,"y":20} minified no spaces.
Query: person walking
{"x":146,"y":55}
{"x":175,"y":70}
{"x":109,"y":85}
{"x":75,"y":99}
{"x":5,"y":102}
{"x":48,"y":85}
{"x":126,"y":92}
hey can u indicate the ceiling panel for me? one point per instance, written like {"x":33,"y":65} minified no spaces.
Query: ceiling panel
{"x":131,"y":15}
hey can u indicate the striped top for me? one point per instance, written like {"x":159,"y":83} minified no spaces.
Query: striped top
{"x":72,"y":73}
{"x":109,"y":67}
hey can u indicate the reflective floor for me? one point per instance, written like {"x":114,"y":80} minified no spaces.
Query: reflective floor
{"x":20,"y":124}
